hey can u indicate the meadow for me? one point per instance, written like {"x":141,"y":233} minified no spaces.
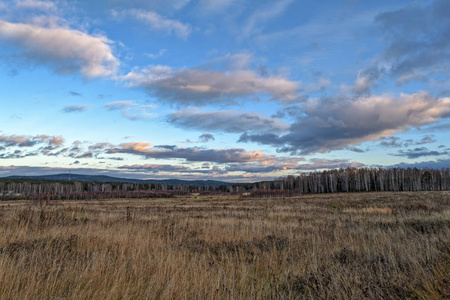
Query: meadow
{"x":378,"y":245}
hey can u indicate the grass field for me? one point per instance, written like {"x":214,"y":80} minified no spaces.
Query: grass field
{"x":334,"y":246}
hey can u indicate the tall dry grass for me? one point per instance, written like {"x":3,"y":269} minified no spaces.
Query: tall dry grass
{"x":336,"y":246}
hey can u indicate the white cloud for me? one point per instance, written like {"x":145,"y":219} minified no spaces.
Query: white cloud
{"x":256,"y":21}
{"x":157,"y":55}
{"x":63,"y":49}
{"x":160,"y":23}
{"x":36,"y":4}
{"x":132,"y":110}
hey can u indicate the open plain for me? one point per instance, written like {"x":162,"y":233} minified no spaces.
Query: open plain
{"x":330,"y":246}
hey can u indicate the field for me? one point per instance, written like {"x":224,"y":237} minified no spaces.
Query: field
{"x":334,"y":246}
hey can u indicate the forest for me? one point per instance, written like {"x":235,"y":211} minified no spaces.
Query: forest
{"x":330,"y":181}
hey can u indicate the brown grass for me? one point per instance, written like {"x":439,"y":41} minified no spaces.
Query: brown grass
{"x":335,"y":246}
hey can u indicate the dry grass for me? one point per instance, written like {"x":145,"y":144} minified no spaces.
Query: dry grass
{"x":337,"y":246}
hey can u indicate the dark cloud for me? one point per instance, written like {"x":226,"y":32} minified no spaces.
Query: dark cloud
{"x":112,"y":158}
{"x":253,"y":168}
{"x":354,"y":149}
{"x":426,"y":140}
{"x":396,"y":142}
{"x":226,"y":121}
{"x":75,"y":94}
{"x":206,"y":137}
{"x":17,"y":154}
{"x":167,"y":147}
{"x":418,"y":44}
{"x":100,"y":146}
{"x":432,"y":164}
{"x":75,"y":108}
{"x":419,"y":152}
{"x":336,"y":123}
{"x":391,"y":142}
{"x":84,"y":155}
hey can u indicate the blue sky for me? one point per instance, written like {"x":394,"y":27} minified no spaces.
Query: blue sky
{"x":226,"y":89}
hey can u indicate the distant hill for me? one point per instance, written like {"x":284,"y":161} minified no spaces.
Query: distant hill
{"x":104,"y":178}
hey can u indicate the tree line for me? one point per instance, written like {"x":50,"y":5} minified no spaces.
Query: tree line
{"x":31,"y":189}
{"x":359,"y":180}
{"x":330,"y":181}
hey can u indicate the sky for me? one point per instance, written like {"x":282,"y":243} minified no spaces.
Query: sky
{"x":231,"y":90}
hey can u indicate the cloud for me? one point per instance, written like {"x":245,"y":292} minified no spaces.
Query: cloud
{"x":63,"y":49}
{"x":319,"y":164}
{"x":157,"y":55}
{"x":14,"y":140}
{"x":419,"y":152}
{"x":120,"y":105}
{"x":155,"y":168}
{"x":391,"y":142}
{"x":335,"y":123}
{"x":209,"y":7}
{"x":206,"y":137}
{"x":256,"y":21}
{"x":167,"y":5}
{"x":234,"y":155}
{"x":167,"y":147}
{"x":396,"y":142}
{"x":17,"y":154}
{"x":159,"y":23}
{"x":280,"y":165}
{"x":366,"y":80}
{"x":75,"y":94}
{"x":426,"y":140}
{"x":29,"y":141}
{"x":277,"y":164}
{"x":132,"y":110}
{"x":200,"y":86}
{"x":100,"y":146}
{"x":226,"y":121}
{"x":431,"y":164}
{"x":75,"y":108}
{"x":28,"y":144}
{"x":418,"y":45}
{"x":36,"y":5}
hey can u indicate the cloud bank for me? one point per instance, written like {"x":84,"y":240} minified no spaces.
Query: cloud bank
{"x":226,"y":121}
{"x":200,"y":86}
{"x":333,"y":124}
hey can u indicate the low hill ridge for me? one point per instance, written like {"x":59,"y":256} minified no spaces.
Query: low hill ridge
{"x":105,"y":178}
